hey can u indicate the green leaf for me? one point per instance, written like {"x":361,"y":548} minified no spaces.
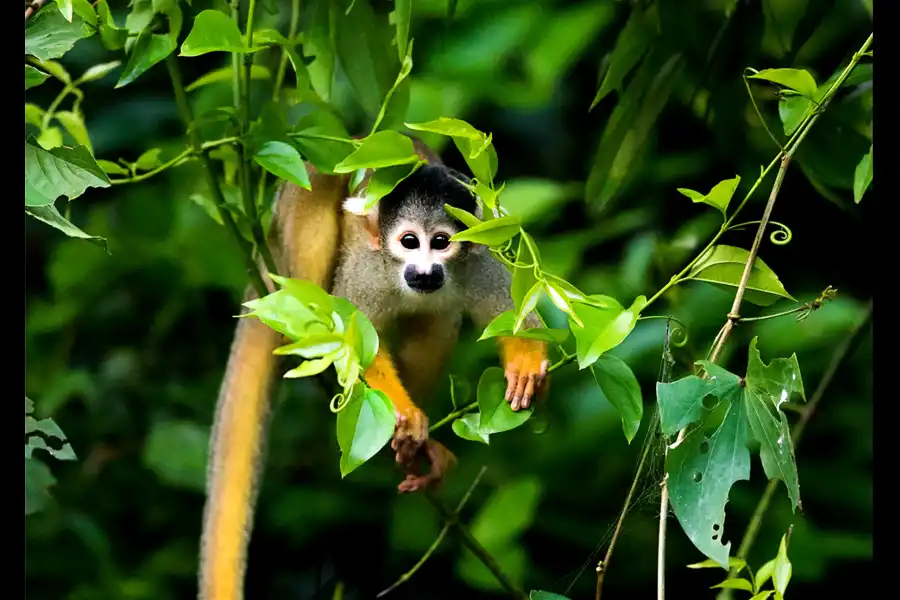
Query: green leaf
{"x":362,"y":42}
{"x":504,"y":324}
{"x":111,"y":168}
{"x":34,"y":114}
{"x":763,"y":595}
{"x":474,"y":145}
{"x":273,"y":37}
{"x":323,"y":154}
{"x":74,"y":124}
{"x":719,"y":197}
{"x":631,"y":44}
{"x":289,"y":312}
{"x":364,"y":426}
{"x":798,"y":80}
{"x":630,"y":125}
{"x":55,"y":69}
{"x":561,"y":300}
{"x":681,"y":402}
{"x":490,"y":233}
{"x":283,"y":161}
{"x":792,"y":110}
{"x":34,"y":77}
{"x":724,"y":265}
{"x":149,"y":49}
{"x":529,"y":303}
{"x":314,"y":346}
{"x":318,"y":43}
{"x":767,"y":388}
{"x":733,"y":563}
{"x":541,"y":595}
{"x":49,"y":138}
{"x":449,"y":127}
{"x":383,"y":181}
{"x":112,"y":36}
{"x":49,"y":215}
{"x":400,"y":18}
{"x":310,"y":367}
{"x":396,"y":101}
{"x":735,"y":584}
{"x":468,"y":427}
{"x":765,"y":573}
{"x":532,"y":199}
{"x":464,"y":216}
{"x":700,"y":474}
{"x":224,"y":74}
{"x":65,"y":9}
{"x":604,"y":328}
{"x":781,"y":20}
{"x":523,"y":279}
{"x":98,"y":71}
{"x":38,"y":481}
{"x":622,"y":391}
{"x":496,"y":415}
{"x":59,"y":172}
{"x":362,"y":336}
{"x":148,"y":160}
{"x":862,"y":177}
{"x":781,"y":574}
{"x":381,"y":149}
{"x":213,"y":31}
{"x":185,"y":468}
{"x":49,"y":35}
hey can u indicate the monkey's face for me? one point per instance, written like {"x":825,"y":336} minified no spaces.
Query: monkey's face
{"x":424,"y":254}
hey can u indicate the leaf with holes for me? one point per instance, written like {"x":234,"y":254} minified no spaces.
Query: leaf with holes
{"x":681,"y":402}
{"x":767,"y":388}
{"x":798,"y":80}
{"x":719,"y":197}
{"x":364,"y":426}
{"x":621,"y":390}
{"x":700,"y":474}
{"x":496,"y":415}
{"x":723,"y":266}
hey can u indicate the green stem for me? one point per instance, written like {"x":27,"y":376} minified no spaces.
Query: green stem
{"x":282,"y":65}
{"x":437,"y":542}
{"x":51,"y":110}
{"x":184,"y":109}
{"x":776,"y":315}
{"x":454,"y":415}
{"x":327,"y":138}
{"x":475,"y":547}
{"x":174,"y":162}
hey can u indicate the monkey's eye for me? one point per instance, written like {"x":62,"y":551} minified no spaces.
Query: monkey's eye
{"x":409,"y":241}
{"x":440,"y":242}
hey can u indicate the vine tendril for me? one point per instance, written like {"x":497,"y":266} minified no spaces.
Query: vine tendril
{"x":681,"y":332}
{"x":780,"y":237}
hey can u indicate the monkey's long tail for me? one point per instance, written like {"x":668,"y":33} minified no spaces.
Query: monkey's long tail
{"x":237,"y":444}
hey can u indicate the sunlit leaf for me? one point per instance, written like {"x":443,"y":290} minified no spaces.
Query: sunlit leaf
{"x":74,"y":124}
{"x":496,"y":415}
{"x":364,"y":426}
{"x":112,"y":36}
{"x":467,"y":218}
{"x":735,"y":584}
{"x":309,"y":368}
{"x":381,"y":149}
{"x":98,"y":71}
{"x":148,"y":50}
{"x":724,"y":265}
{"x":604,"y":328}
{"x":798,"y":80}
{"x":361,"y":333}
{"x":490,"y":233}
{"x":622,"y":390}
{"x":225,"y":74}
{"x":718,"y":197}
{"x":213,"y":31}
{"x":504,"y":325}
{"x":781,"y":574}
{"x":733,"y":563}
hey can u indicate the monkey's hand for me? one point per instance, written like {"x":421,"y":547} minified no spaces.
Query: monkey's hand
{"x":525,"y":364}
{"x":441,"y":460}
{"x":410,"y":435}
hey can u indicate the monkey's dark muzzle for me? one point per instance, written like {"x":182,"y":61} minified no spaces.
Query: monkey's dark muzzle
{"x":424,"y":282}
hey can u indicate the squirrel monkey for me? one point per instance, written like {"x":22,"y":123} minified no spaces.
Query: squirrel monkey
{"x":397,"y":265}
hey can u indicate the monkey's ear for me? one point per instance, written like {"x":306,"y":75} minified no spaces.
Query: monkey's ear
{"x":357,"y":206}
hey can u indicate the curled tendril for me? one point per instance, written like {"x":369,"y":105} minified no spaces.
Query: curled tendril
{"x":342,"y":399}
{"x":679,"y":335}
{"x":780,"y":237}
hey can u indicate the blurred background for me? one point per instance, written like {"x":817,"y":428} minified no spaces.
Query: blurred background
{"x":125,"y":351}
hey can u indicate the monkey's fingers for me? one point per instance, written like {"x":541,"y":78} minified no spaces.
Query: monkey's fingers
{"x":441,"y":461}
{"x":410,"y":433}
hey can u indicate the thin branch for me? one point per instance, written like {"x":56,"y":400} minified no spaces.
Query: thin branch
{"x":33,"y":8}
{"x":437,"y":542}
{"x":184,"y":108}
{"x":454,"y":415}
{"x":475,"y":546}
{"x":187,"y":153}
{"x":845,"y":349}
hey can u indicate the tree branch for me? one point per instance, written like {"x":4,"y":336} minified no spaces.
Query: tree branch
{"x":184,"y":109}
